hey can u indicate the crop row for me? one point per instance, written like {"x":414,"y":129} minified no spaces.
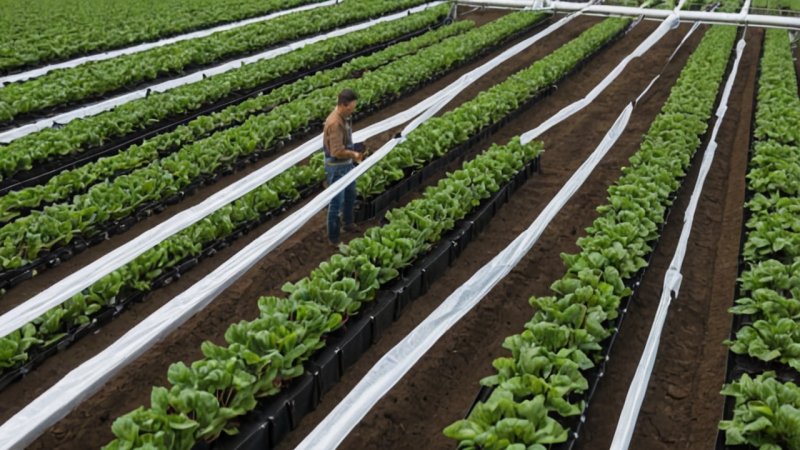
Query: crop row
{"x":541,"y":385}
{"x":263,"y":355}
{"x":91,"y":80}
{"x":84,"y":134}
{"x":137,"y":275}
{"x":764,"y":414}
{"x":71,"y":182}
{"x":52,"y":30}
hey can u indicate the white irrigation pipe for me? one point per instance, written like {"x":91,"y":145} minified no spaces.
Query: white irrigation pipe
{"x":65,"y":289}
{"x":672,"y":280}
{"x":399,"y":360}
{"x":27,"y":75}
{"x":740,"y":19}
{"x":97,"y":108}
{"x":81,"y":382}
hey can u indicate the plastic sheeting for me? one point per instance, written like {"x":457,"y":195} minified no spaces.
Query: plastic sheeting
{"x":63,"y":290}
{"x":672,"y":280}
{"x":111,"y":103}
{"x":81,"y":382}
{"x":27,"y":75}
{"x":399,"y":360}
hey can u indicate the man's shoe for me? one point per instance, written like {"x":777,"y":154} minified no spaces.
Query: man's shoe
{"x":333,"y":245}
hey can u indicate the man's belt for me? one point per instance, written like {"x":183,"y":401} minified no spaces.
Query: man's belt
{"x":329,"y":161}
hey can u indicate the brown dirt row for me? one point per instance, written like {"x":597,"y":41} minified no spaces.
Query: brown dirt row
{"x":441,"y":386}
{"x":292,"y":261}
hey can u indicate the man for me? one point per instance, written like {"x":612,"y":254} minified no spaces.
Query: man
{"x":339,"y":151}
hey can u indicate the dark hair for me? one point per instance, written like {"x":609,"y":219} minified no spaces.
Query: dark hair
{"x":347,"y":96}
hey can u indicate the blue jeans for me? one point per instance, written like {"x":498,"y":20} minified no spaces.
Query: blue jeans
{"x":346,"y":197}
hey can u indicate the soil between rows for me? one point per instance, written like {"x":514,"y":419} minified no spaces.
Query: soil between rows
{"x":89,"y":425}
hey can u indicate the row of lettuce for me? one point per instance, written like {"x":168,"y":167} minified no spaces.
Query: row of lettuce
{"x":138,"y":275}
{"x":92,"y":132}
{"x":46,"y":31}
{"x":68,"y":183}
{"x":24,"y":239}
{"x":262,"y":355}
{"x":94,"y":79}
{"x":767,"y":411}
{"x":541,"y":385}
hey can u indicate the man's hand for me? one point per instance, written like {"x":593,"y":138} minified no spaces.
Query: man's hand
{"x":358,"y":157}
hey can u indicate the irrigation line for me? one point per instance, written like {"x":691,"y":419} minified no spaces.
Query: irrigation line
{"x":33,"y":73}
{"x":83,"y":381}
{"x":105,"y":105}
{"x":672,"y":279}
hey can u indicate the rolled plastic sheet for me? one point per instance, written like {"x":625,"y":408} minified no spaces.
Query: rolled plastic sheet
{"x":83,"y":381}
{"x":33,"y":73}
{"x":399,"y":360}
{"x":672,"y":279}
{"x":97,"y":108}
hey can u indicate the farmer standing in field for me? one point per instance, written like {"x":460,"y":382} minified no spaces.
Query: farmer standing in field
{"x":337,"y":143}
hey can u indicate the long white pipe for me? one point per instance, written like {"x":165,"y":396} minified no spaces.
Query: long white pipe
{"x":740,"y":19}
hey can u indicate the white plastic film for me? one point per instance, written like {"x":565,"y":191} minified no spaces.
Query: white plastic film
{"x":672,"y":280}
{"x":84,"y":380}
{"x":33,"y":73}
{"x":399,"y":360}
{"x":105,"y":105}
{"x":66,"y":288}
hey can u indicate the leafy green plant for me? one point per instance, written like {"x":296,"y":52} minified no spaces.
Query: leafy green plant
{"x":562,"y":339}
{"x":766,"y":414}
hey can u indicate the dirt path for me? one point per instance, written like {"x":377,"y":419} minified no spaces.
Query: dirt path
{"x":440,"y":387}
